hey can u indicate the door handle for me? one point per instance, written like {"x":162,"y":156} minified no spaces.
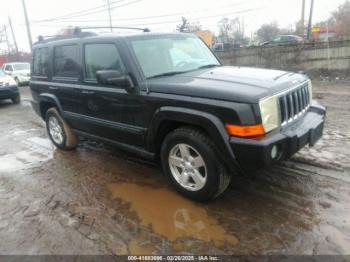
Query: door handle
{"x":87,"y":92}
{"x":53,"y":88}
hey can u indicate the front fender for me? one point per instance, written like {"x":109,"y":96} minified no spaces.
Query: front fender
{"x":210,"y":123}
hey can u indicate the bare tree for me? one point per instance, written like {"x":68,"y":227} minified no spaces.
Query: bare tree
{"x":66,"y":30}
{"x":232,"y":31}
{"x":188,"y":27}
{"x":225,"y":30}
{"x":268,"y":31}
{"x":341,"y":18}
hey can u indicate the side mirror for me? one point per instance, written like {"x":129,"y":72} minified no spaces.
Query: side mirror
{"x":115,"y":78}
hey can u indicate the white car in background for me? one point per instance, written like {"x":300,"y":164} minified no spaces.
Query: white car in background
{"x":19,"y":71}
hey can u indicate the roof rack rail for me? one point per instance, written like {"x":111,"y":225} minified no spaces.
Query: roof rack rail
{"x":77,"y":32}
{"x":146,"y":30}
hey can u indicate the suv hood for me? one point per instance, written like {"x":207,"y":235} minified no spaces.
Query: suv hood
{"x":22,"y":72}
{"x":237,"y":84}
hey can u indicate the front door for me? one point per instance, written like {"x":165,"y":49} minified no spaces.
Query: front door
{"x":111,"y":111}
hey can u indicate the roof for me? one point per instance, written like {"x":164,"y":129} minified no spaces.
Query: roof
{"x":78,"y":34}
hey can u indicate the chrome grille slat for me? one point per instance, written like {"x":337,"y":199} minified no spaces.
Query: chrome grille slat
{"x":300,"y":101}
{"x":293,"y":104}
{"x":296,"y":103}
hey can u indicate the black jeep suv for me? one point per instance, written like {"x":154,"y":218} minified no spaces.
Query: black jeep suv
{"x":168,"y":97}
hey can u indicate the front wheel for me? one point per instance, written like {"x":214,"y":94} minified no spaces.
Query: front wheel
{"x":17,"y":82}
{"x":190,"y":162}
{"x":59,"y":131}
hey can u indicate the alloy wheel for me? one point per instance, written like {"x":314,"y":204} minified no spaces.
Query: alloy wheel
{"x":188,"y":167}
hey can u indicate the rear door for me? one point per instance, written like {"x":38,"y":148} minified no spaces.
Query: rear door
{"x":111,"y":111}
{"x":66,"y":81}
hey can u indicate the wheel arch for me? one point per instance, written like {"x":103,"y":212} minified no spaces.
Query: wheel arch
{"x":46,"y":101}
{"x":167,"y":119}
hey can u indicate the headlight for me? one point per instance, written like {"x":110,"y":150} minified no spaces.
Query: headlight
{"x":310,"y":89}
{"x":10,"y":82}
{"x":269,"y":113}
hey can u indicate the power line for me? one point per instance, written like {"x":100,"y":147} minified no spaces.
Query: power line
{"x":175,"y":21}
{"x":92,"y":12}
{"x":79,"y":12}
{"x":160,"y":16}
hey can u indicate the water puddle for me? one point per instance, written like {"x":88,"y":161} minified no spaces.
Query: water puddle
{"x":170,"y":216}
{"x":35,"y":151}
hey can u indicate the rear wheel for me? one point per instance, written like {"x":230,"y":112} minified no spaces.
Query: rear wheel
{"x":17,"y":81}
{"x":190,"y":162}
{"x":59,"y":131}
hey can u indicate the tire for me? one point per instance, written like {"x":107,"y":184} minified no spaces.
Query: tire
{"x":16,"y":100}
{"x":59,"y":131}
{"x":214,"y":178}
{"x":17,"y":81}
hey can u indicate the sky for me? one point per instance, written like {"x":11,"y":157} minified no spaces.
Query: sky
{"x":47,"y":17}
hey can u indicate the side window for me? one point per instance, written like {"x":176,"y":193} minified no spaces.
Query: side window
{"x":40,"y":62}
{"x":8,"y":68}
{"x":66,"y":63}
{"x":102,"y":57}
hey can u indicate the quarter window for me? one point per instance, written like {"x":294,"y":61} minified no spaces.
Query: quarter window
{"x":40,"y":62}
{"x":66,"y":62}
{"x":102,"y":57}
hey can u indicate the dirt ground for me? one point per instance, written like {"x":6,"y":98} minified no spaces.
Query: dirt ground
{"x":98,"y":201}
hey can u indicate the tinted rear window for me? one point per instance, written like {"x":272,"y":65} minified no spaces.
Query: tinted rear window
{"x":66,"y":63}
{"x":40,"y":62}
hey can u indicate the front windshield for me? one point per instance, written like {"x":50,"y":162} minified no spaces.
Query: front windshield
{"x":24,"y":66}
{"x":172,"y":54}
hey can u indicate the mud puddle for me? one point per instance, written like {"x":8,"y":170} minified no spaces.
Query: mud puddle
{"x":170,"y":216}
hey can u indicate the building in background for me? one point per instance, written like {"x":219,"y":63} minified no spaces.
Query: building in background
{"x":206,"y":36}
{"x":322,"y":33}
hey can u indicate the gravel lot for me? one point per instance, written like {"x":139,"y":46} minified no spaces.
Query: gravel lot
{"x":98,"y":201}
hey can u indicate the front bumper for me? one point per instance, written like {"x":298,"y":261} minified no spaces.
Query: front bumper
{"x":7,"y":92}
{"x":256,"y":153}
{"x":23,"y":78}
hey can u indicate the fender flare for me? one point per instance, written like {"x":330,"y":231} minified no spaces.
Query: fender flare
{"x":50,"y":98}
{"x":209,"y":122}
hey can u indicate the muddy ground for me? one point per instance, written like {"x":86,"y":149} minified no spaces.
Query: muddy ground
{"x":98,"y":201}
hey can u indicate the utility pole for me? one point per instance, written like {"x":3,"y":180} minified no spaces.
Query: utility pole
{"x":7,"y":41}
{"x":302,"y":20}
{"x":310,"y":20}
{"x":110,"y":16}
{"x":13,"y":35}
{"x":28,"y":26}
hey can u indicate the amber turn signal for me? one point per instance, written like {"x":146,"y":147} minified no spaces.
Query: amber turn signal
{"x":245,"y":131}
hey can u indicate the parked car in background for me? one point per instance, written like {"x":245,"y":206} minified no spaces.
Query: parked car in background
{"x":19,"y":71}
{"x":220,"y":47}
{"x":8,"y":88}
{"x":285,"y":40}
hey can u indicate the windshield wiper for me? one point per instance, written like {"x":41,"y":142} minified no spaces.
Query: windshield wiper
{"x":168,"y":74}
{"x":207,"y":66}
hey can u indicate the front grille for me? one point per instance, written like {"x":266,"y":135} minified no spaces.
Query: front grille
{"x":294,"y":103}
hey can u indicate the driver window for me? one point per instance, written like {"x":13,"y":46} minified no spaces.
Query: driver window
{"x":102,"y":57}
